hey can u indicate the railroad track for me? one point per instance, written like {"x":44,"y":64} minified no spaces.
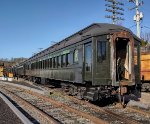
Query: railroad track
{"x":145,"y":112}
{"x":138,"y":115}
{"x":34,"y":114}
{"x":50,"y":110}
{"x":89,"y":108}
{"x":92,"y":113}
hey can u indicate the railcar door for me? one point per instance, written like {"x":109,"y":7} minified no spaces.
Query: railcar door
{"x":123,"y":65}
{"x":101,"y":70}
{"x":88,"y":62}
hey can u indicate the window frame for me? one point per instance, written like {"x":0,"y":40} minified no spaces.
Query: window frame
{"x":101,"y":51}
{"x":75,"y":56}
{"x":63,"y":60}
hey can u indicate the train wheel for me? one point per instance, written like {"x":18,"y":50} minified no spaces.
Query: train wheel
{"x":145,"y":87}
{"x":71,"y":91}
{"x":81,"y":92}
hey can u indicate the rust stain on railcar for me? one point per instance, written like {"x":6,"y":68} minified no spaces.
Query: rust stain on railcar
{"x":129,"y":37}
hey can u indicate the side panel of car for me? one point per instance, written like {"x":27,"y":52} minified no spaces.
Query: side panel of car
{"x":101,"y":60}
{"x":64,"y":66}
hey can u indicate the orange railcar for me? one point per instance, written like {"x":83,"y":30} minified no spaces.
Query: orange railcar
{"x":145,"y":69}
{"x":1,"y":71}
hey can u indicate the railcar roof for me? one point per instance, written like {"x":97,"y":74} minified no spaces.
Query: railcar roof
{"x":92,"y":30}
{"x":101,"y":28}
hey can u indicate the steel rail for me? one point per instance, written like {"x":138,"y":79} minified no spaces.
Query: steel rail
{"x":42,"y":115}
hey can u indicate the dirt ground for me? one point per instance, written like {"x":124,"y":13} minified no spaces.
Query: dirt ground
{"x":145,"y":98}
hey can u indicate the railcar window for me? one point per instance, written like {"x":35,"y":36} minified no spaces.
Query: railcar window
{"x":101,"y":51}
{"x":58,"y":61}
{"x":88,"y":57}
{"x":37,"y":65}
{"x":63,"y":61}
{"x":75,"y":56}
{"x":33,"y":65}
{"x":40,"y":64}
{"x":54,"y":64}
{"x":47,"y":63}
{"x":43,"y":64}
{"x":29,"y":66}
{"x":68,"y":59}
{"x":50,"y":62}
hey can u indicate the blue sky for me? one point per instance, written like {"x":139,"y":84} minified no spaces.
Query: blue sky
{"x":27,"y":25}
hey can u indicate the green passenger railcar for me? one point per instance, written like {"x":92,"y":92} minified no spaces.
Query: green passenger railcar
{"x":96,"y":62}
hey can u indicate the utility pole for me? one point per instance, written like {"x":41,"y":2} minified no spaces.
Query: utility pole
{"x":113,"y":8}
{"x":139,"y":15}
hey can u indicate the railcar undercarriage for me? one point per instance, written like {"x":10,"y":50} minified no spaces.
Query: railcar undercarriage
{"x":87,"y":92}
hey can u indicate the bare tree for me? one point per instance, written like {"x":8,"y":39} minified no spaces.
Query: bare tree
{"x":146,"y":37}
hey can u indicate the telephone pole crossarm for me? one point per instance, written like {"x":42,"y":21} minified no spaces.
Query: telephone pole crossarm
{"x":115,"y":8}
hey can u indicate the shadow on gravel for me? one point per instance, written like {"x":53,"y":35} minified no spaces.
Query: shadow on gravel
{"x":112,"y":101}
{"x":105,"y":102}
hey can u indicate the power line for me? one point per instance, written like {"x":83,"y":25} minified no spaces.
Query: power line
{"x":146,"y":27}
{"x":132,"y":26}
